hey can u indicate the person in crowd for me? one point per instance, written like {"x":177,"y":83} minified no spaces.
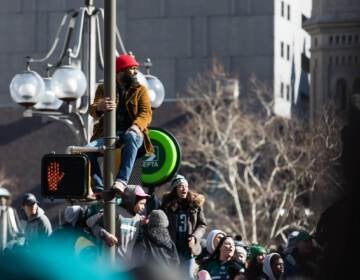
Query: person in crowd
{"x":156,"y":245}
{"x":222,"y":265}
{"x":128,"y":219}
{"x":187,"y":223}
{"x":273,"y":268}
{"x":11,"y":233}
{"x":36,"y":223}
{"x":256,"y":255}
{"x":212,"y":240}
{"x":133,"y":116}
{"x":240,"y":255}
{"x":299,"y":255}
{"x":75,"y":236}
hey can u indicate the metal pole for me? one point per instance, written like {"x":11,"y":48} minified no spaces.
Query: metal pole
{"x":91,"y":71}
{"x":109,"y":121}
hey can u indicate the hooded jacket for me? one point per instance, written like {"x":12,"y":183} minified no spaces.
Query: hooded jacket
{"x":138,"y":107}
{"x":210,"y":240}
{"x":196,"y":225}
{"x":267,"y":270}
{"x":127,"y":225}
{"x":157,"y":248}
{"x":37,"y":226}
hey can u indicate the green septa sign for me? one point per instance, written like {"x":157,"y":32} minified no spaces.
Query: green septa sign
{"x":163,"y":164}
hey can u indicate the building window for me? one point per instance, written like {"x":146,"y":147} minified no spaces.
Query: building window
{"x":340,"y":94}
{"x":282,"y":49}
{"x":288,"y":12}
{"x":343,"y":59}
{"x":343,"y":39}
{"x":282,"y":90}
{"x":337,"y":39}
{"x":349,"y":39}
{"x":287,"y":92}
{"x":315,"y":42}
{"x":337,"y":60}
{"x":330,"y":40}
{"x":288,"y":52}
{"x":349,"y":58}
{"x":282,"y":9}
{"x":330,"y":60}
{"x":356,"y":39}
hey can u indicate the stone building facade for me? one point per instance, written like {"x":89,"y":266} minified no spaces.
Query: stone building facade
{"x":335,"y":50}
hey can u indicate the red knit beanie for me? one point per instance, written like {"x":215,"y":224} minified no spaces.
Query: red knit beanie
{"x":125,"y":61}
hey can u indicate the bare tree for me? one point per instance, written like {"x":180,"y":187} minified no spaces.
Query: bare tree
{"x":260,"y":171}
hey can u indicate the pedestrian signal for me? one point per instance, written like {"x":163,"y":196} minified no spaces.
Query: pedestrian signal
{"x":65,"y":176}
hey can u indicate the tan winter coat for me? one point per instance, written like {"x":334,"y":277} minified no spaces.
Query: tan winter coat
{"x":137,"y":105}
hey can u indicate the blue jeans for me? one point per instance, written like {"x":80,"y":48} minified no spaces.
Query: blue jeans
{"x":132,"y":142}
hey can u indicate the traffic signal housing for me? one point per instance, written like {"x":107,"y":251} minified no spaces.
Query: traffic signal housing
{"x":65,"y":176}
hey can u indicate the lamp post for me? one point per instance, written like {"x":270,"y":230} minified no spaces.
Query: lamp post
{"x":71,"y":78}
{"x":70,"y":83}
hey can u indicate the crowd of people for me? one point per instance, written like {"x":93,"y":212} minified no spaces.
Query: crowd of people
{"x":175,"y":238}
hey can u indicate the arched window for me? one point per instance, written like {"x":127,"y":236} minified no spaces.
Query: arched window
{"x":340,"y":94}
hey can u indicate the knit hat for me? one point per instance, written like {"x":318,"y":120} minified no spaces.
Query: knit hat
{"x":125,"y":61}
{"x":255,"y":250}
{"x":241,"y":250}
{"x":178,"y":180}
{"x":210,"y":240}
{"x":158,"y":218}
{"x":29,"y":199}
{"x":72,"y":214}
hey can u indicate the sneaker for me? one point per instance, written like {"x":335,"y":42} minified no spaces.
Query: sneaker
{"x":119,"y":187}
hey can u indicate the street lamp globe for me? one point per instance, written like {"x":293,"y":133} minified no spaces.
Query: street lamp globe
{"x":156,"y":91}
{"x":49,"y":100}
{"x":27,"y":88}
{"x":68,"y":83}
{"x":141,"y":79}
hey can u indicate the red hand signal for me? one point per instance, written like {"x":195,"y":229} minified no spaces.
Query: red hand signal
{"x":54,"y":176}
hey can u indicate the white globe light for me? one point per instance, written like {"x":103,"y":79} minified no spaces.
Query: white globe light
{"x":157,"y":87}
{"x":27,"y":88}
{"x":49,"y":100}
{"x":141,"y":79}
{"x":152,"y":95}
{"x":68,"y":83}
